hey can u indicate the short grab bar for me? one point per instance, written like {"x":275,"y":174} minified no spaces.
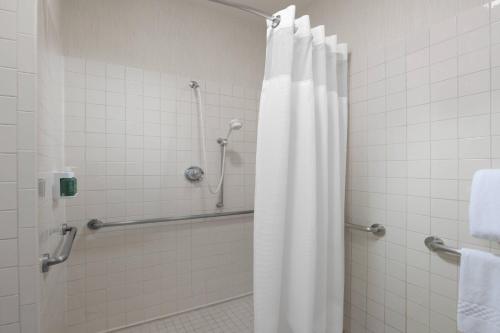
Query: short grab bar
{"x":69,"y":234}
{"x":436,"y":244}
{"x":376,"y":229}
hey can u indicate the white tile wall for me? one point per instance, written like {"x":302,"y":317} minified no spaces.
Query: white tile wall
{"x":156,"y":35}
{"x":50,"y":158}
{"x":413,"y":149}
{"x":440,"y":126}
{"x":130,"y":133}
{"x":17,"y":125}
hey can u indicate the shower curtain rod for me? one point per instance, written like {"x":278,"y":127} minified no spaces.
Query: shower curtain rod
{"x":274,"y":19}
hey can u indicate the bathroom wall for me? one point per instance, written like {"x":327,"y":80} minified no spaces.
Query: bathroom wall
{"x":176,"y":36}
{"x":131,"y":129}
{"x":424,"y":105}
{"x":130,"y":134}
{"x":50,"y":158}
{"x":18,"y":262}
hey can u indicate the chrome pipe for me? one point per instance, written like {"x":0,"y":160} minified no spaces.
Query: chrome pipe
{"x":436,"y":244}
{"x":274,"y":19}
{"x":69,"y":234}
{"x":223,"y":144}
{"x":96,"y":224}
{"x":376,"y":229}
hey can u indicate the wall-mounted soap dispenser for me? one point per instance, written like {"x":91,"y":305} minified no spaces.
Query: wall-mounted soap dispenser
{"x":65,"y":185}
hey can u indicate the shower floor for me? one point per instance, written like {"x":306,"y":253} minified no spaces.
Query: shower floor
{"x":230,"y":317}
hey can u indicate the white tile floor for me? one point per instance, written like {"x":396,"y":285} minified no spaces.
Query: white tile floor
{"x":230,"y":317}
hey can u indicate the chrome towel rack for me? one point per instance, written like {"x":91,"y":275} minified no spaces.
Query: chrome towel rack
{"x":69,"y":234}
{"x":436,"y":244}
{"x":376,"y":229}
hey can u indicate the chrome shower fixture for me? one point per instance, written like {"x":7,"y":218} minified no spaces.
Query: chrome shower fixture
{"x":194,"y":84}
{"x":234,"y":125}
{"x":195,"y":174}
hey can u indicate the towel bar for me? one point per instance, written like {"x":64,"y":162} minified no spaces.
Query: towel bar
{"x":436,"y":244}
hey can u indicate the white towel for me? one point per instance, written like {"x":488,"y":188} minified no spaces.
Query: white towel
{"x":484,"y":208}
{"x":479,"y":292}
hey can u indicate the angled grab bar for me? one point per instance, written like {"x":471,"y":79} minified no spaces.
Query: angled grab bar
{"x":436,"y":244}
{"x":376,"y":229}
{"x":69,"y":234}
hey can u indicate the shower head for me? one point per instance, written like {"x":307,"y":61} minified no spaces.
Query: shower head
{"x":235,"y":124}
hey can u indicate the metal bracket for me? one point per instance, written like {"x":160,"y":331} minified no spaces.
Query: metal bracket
{"x":431,"y":242}
{"x":95,"y":224}
{"x":376,"y":229}
{"x":436,"y":244}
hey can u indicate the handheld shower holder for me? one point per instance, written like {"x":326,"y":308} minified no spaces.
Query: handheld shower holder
{"x":222,"y":141}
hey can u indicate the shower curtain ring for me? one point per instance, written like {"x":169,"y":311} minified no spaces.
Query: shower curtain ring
{"x":276,"y":21}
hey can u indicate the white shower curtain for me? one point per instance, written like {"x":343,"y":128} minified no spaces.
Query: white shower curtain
{"x":300,"y":181}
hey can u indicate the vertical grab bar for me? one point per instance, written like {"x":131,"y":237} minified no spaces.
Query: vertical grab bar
{"x":69,"y":234}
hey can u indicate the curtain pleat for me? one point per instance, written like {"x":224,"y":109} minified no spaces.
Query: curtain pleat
{"x":300,"y":180}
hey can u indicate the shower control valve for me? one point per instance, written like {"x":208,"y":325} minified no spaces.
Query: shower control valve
{"x":194,"y":174}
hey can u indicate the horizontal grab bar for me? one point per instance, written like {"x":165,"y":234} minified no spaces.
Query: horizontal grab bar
{"x":96,"y":224}
{"x":376,"y":229}
{"x":436,"y":244}
{"x":69,"y":234}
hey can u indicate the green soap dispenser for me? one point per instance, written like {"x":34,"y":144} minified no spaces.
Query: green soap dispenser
{"x":68,"y":187}
{"x":65,"y":185}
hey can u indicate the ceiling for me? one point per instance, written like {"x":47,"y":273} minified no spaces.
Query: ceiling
{"x":273,"y":5}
